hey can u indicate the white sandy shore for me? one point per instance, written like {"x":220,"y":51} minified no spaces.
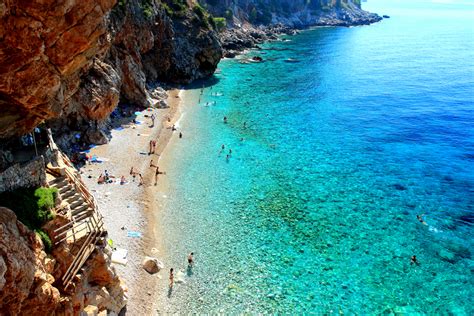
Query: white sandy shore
{"x":130,"y":207}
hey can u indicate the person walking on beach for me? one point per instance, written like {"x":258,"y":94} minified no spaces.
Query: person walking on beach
{"x":122,"y":180}
{"x":157,"y":173}
{"x":152,"y":120}
{"x":141,"y":179}
{"x":171,"y":278}
{"x":180,"y":135}
{"x":191,"y":259}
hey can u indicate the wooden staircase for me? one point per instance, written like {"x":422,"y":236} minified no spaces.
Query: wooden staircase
{"x":85,"y":228}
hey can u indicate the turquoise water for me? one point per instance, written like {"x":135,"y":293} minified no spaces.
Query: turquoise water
{"x":315,"y":211}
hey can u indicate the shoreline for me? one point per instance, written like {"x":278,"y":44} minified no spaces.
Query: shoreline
{"x":130,"y":208}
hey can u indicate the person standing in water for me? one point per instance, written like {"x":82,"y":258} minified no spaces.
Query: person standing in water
{"x":191,"y":259}
{"x":171,"y":278}
{"x":225,"y":119}
{"x":414,"y":261}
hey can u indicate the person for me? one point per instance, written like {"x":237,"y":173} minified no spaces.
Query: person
{"x":150,"y":147}
{"x":152,"y":164}
{"x":169,"y":119}
{"x":245,"y":124}
{"x":227,"y":158}
{"x":230,"y":151}
{"x":152,"y":120}
{"x":241,"y":139}
{"x":173,"y":128}
{"x":191,"y":259}
{"x":157,"y":173}
{"x":420,"y":219}
{"x":101,"y":179}
{"x":225,"y":119}
{"x":180,"y":135}
{"x":141,"y":179}
{"x":106,"y":173}
{"x":171,"y":277}
{"x":223,"y":147}
{"x":153,"y":146}
{"x":413,"y":260}
{"x":122,"y":180}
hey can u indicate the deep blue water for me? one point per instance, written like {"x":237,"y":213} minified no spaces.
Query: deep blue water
{"x":315,"y":210}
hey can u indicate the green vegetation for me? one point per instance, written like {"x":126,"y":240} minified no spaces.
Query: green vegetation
{"x":219,"y":23}
{"x":175,"y":8}
{"x":48,"y":244}
{"x":147,"y":8}
{"x":33,"y":207}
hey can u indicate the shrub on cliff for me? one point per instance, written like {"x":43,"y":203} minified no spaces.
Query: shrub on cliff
{"x":48,"y":244}
{"x":33,"y":207}
{"x":218,"y":23}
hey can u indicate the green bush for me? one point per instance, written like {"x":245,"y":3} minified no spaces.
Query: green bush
{"x":219,"y":23}
{"x":200,"y":12}
{"x":48,"y":244}
{"x":31,"y":206}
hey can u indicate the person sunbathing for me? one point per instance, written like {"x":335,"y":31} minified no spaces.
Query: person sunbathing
{"x":101,"y":179}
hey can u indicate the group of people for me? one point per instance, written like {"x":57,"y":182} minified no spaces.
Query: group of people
{"x":190,"y":266}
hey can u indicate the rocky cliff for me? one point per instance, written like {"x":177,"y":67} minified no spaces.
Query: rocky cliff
{"x":73,"y":61}
{"x":28,"y":276}
{"x":69,"y":63}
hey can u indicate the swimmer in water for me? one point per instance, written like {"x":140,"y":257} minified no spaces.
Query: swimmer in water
{"x":225,"y":119}
{"x":413,"y":260}
{"x":420,"y":219}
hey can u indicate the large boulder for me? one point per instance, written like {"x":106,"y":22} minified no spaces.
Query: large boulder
{"x":152,"y":265}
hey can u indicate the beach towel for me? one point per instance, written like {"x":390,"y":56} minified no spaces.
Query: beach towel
{"x":134,"y":234}
{"x":120,"y":256}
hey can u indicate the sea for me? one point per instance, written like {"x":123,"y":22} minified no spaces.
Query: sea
{"x":305,"y":201}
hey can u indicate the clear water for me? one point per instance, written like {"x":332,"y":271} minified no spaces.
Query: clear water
{"x":315,"y":212}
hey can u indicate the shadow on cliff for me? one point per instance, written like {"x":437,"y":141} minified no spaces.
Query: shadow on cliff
{"x":202,"y":83}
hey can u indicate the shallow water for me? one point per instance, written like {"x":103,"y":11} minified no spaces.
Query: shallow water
{"x":315,"y":210}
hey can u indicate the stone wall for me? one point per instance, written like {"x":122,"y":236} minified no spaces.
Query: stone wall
{"x":31,"y":174}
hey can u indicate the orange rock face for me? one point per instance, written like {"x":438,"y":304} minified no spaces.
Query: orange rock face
{"x":43,"y":45}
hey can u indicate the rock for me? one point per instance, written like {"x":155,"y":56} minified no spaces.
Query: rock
{"x":447,"y":256}
{"x":152,"y":265}
{"x":21,"y":272}
{"x":96,"y":136}
{"x":90,"y":310}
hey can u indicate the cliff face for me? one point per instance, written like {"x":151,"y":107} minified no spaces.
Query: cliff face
{"x":74,"y":60}
{"x":295,"y":13}
{"x":28,"y":276}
